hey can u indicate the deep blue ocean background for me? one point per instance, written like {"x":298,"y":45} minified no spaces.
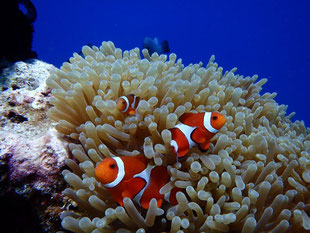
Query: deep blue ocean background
{"x":270,"y":38}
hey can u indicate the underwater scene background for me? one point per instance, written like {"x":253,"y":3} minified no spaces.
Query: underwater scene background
{"x":267,"y":38}
{"x":99,"y":134}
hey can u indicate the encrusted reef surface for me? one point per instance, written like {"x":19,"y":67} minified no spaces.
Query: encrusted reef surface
{"x":31,"y":152}
{"x":255,"y":177}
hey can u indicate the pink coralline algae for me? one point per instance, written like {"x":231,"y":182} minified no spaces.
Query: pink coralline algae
{"x":34,"y":160}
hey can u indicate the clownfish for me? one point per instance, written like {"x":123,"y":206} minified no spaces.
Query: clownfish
{"x":128,"y":104}
{"x":133,"y":177}
{"x":195,"y":128}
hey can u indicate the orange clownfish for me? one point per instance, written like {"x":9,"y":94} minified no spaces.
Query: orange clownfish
{"x":128,"y":104}
{"x":133,"y":177}
{"x":195,"y":128}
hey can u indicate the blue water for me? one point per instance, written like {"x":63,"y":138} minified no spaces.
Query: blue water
{"x":270,"y":38}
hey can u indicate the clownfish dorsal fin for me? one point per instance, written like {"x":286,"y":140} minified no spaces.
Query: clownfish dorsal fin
{"x":186,"y":117}
{"x":130,"y":98}
{"x":143,"y":158}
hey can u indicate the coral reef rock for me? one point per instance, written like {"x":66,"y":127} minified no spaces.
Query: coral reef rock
{"x":32,"y":153}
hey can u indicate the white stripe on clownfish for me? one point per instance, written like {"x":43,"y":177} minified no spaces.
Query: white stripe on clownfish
{"x":207,"y":122}
{"x":195,"y":128}
{"x":145,"y":175}
{"x":133,"y":102}
{"x":120,"y":173}
{"x":127,"y":103}
{"x":141,"y":182}
{"x":187,"y":131}
{"x":174,"y":144}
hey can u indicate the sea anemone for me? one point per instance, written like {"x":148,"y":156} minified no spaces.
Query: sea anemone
{"x":255,"y":177}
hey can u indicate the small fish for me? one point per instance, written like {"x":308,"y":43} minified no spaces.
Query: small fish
{"x":153,"y":45}
{"x":128,"y":104}
{"x":195,"y":128}
{"x":133,"y":177}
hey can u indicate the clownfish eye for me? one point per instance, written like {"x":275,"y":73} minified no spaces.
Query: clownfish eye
{"x":112,"y":165}
{"x":214,"y":118}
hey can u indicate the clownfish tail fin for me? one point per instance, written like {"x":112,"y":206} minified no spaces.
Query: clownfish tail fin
{"x":171,"y":196}
{"x":203,"y":147}
{"x":131,"y":111}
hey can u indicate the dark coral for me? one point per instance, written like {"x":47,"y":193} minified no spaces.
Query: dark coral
{"x":15,"y":117}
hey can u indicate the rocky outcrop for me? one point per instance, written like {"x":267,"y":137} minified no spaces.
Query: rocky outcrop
{"x":32,"y":153}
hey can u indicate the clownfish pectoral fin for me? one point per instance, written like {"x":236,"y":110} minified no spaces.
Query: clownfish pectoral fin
{"x":204,"y":146}
{"x":132,"y":187}
{"x":199,"y":135}
{"x":131,"y":111}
